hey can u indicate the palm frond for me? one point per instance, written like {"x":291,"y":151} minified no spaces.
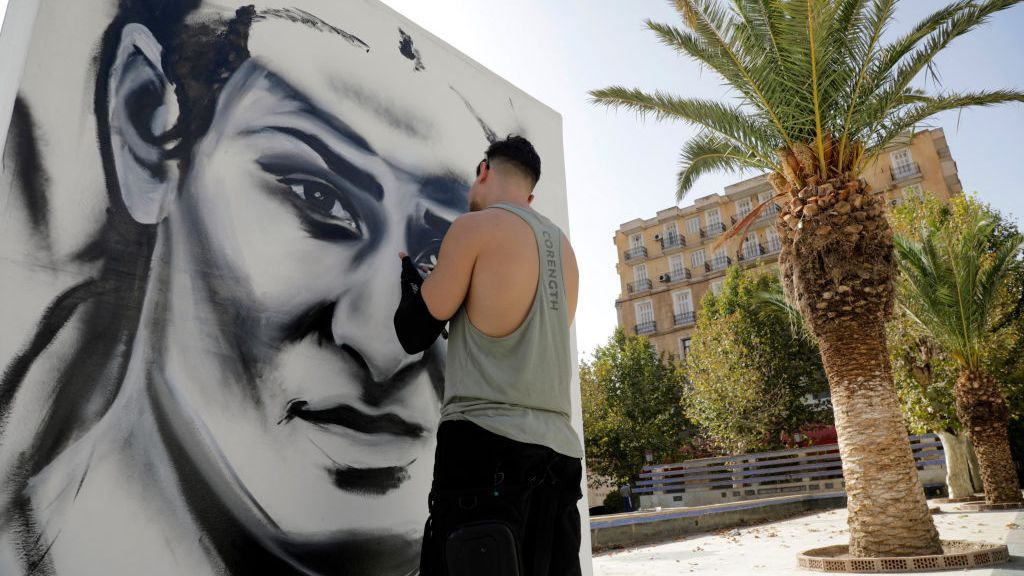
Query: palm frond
{"x":951,"y":280}
{"x":710,"y":153}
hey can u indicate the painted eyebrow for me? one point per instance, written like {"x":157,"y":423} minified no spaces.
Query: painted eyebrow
{"x":310,"y":21}
{"x":358,"y":177}
{"x":447,"y":190}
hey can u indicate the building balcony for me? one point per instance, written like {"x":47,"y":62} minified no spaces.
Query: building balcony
{"x":637,"y":253}
{"x":685,"y":318}
{"x":646,"y":327}
{"x":675,"y":276}
{"x":905,"y":172}
{"x":715,"y":230}
{"x":750,"y":252}
{"x":639,"y":286}
{"x":738,"y":216}
{"x":720,"y":263}
{"x":672,"y":242}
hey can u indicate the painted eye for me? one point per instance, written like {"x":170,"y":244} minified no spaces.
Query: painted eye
{"x":322,"y":198}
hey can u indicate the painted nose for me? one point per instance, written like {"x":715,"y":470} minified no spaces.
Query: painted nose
{"x":364,"y":322}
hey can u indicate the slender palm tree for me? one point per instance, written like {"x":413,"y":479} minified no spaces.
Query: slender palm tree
{"x":953,"y":280}
{"x":818,"y":94}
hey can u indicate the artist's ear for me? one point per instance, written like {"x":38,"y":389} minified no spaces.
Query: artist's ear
{"x":142,"y":108}
{"x":529,"y":200}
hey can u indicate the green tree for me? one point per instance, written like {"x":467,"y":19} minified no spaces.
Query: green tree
{"x":631,"y":406}
{"x":954,"y":280}
{"x":817,"y":95}
{"x":750,"y":369}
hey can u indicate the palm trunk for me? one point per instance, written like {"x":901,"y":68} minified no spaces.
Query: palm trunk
{"x":972,"y":459}
{"x":889,"y":515}
{"x":837,"y":265}
{"x":982,"y":409}
{"x":958,"y":470}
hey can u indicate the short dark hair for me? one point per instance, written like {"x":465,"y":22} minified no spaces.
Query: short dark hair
{"x":519,"y":152}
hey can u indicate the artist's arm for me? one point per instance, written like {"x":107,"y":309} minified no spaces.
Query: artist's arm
{"x":427,"y":304}
{"x":447,"y":286}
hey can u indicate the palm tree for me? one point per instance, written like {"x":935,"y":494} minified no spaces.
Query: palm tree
{"x":953,"y":278}
{"x":818,"y":95}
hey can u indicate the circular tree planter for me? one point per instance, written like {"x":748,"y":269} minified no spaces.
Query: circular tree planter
{"x":956,"y":554}
{"x":982,"y":507}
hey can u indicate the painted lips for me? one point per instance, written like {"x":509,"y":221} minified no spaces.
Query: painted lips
{"x":354,"y":419}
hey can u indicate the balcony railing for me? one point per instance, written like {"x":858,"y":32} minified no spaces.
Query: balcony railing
{"x":715,"y":230}
{"x":675,"y":276}
{"x":905,"y":172}
{"x":720,"y":263}
{"x":749,"y":253}
{"x":640,"y":286}
{"x":685,"y":318}
{"x":739,"y":216}
{"x":646,"y":327}
{"x":636,"y":253}
{"x":770,"y":211}
{"x":673,"y":241}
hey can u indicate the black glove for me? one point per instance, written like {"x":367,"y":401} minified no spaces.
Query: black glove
{"x":416,"y":328}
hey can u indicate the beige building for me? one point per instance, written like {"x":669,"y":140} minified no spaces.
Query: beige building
{"x":667,"y":264}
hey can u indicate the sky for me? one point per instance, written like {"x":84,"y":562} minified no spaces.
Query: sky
{"x":619,"y":168}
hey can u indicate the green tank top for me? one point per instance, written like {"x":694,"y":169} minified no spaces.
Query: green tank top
{"x":518,"y":385}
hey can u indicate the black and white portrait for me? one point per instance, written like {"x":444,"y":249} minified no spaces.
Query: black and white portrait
{"x":201,"y":205}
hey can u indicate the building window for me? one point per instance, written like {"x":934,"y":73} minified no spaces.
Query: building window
{"x":693,"y":225}
{"x":903,"y":165}
{"x":684,"y":348}
{"x":716,"y":287}
{"x":743,"y":207}
{"x":644,"y":317}
{"x":670,"y":229}
{"x":682,"y":308}
{"x":772,"y":238}
{"x":640,"y":272}
{"x":763,"y":197}
{"x":721,"y":260}
{"x":697,"y":260}
{"x":675,"y":267}
{"x":636,"y":240}
{"x":913,"y":191}
{"x":751,"y":249}
{"x":713,"y":218}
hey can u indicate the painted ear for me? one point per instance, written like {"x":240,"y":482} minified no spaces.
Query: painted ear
{"x":142,"y":109}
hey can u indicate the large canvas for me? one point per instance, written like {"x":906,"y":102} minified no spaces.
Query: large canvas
{"x":201,"y":204}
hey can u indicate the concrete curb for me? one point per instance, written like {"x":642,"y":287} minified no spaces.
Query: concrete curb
{"x":644,"y":528}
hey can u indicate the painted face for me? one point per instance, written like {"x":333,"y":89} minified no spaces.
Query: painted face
{"x":321,"y":164}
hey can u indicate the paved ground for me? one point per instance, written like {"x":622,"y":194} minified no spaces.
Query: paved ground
{"x":770,"y":549}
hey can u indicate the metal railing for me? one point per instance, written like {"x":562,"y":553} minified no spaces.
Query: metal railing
{"x":639,"y":285}
{"x":685,"y":318}
{"x":715,"y":230}
{"x":720,"y":263}
{"x":637,"y":252}
{"x":750,"y":254}
{"x":905,"y":172}
{"x":646,"y":327}
{"x":676,"y":276}
{"x":673,"y":241}
{"x":766,"y":474}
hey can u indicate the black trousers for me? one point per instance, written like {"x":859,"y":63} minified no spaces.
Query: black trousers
{"x":479,"y":475}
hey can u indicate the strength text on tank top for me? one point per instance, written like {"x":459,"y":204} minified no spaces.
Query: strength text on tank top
{"x":551,"y":265}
